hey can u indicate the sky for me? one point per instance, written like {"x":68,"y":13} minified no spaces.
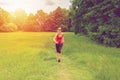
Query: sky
{"x":31,"y":6}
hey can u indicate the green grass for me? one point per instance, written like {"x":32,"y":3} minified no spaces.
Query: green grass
{"x":32,"y":56}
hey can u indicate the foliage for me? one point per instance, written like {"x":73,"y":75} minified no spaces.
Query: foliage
{"x":40,"y":21}
{"x":57,"y":18}
{"x":97,"y":17}
{"x":8,"y":27}
{"x":20,"y":17}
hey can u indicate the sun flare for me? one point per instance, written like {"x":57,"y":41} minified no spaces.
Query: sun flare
{"x":27,"y":6}
{"x":18,"y":6}
{"x":31,"y":6}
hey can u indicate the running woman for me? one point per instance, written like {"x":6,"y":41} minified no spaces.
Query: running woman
{"x":59,"y":40}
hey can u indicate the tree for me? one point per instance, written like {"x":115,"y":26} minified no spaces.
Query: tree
{"x":41,"y":17}
{"x":30,"y":24}
{"x":20,"y":18}
{"x":57,"y":18}
{"x":99,"y":19}
{"x":4,"y":17}
{"x":6,"y":22}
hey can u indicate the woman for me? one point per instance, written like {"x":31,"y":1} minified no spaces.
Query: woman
{"x":59,"y":40}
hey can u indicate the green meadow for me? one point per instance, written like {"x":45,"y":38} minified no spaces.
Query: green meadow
{"x":32,"y":56}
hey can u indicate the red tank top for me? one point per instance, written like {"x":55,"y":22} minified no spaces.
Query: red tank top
{"x":59,"y":38}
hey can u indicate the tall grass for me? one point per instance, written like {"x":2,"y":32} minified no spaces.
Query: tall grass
{"x":32,"y":56}
{"x":27,"y":56}
{"x":91,"y":61}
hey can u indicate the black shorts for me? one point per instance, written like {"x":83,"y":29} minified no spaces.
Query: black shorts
{"x":58,"y":47}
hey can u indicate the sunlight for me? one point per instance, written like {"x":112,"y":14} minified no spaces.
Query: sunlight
{"x":31,"y":6}
{"x":27,"y":6}
{"x":18,"y":6}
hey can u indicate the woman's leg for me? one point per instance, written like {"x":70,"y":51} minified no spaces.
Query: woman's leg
{"x":59,"y":57}
{"x":60,"y":52}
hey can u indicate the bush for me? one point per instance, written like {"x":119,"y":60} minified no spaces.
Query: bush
{"x":108,"y":35}
{"x":8,"y":27}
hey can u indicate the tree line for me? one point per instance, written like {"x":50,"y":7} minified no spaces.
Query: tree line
{"x":98,"y":19}
{"x":41,"y":21}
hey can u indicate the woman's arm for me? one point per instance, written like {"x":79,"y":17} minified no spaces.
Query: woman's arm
{"x":63,"y":38}
{"x":54,"y":39}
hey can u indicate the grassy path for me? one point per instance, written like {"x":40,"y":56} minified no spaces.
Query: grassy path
{"x":63,"y":70}
{"x":67,"y":71}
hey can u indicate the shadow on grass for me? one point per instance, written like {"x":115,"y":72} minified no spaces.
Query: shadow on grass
{"x":49,"y":59}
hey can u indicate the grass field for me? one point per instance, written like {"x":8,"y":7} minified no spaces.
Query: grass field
{"x":32,"y":56}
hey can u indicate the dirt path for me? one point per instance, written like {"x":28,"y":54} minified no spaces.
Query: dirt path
{"x":63,"y":70}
